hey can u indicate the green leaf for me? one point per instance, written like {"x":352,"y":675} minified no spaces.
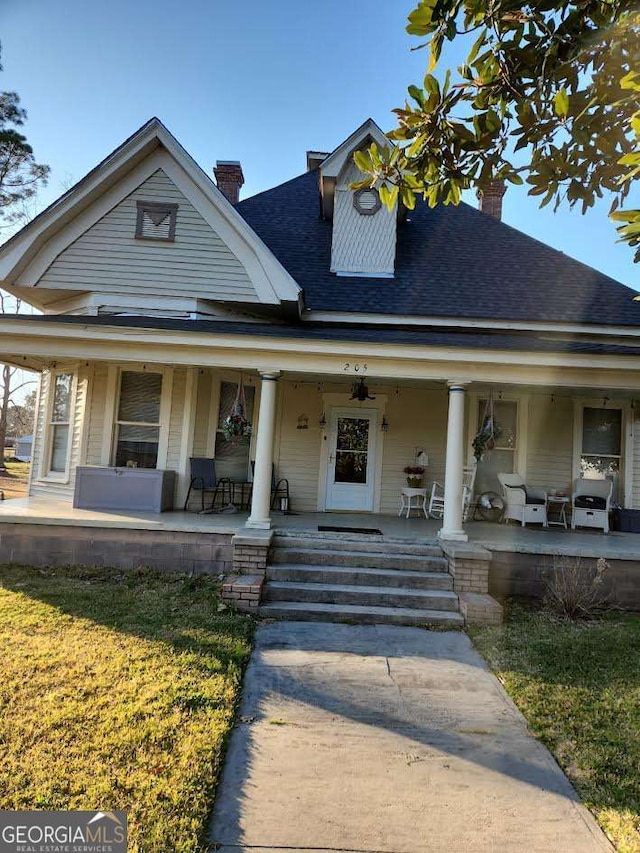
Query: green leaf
{"x":561,"y":103}
{"x":362,"y":161}
{"x":408,"y":198}
{"x":388,"y":195}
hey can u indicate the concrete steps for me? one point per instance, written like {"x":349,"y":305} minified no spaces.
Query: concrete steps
{"x":378,"y":596}
{"x":359,"y":579}
{"x":303,"y":573}
{"x":363,"y":559}
{"x":359,"y":614}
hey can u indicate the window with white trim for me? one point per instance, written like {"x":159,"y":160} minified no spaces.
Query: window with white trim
{"x":137,"y":432}
{"x":601,"y":451}
{"x":59,"y":424}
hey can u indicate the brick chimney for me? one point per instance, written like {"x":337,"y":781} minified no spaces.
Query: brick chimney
{"x":229,"y":178}
{"x":491,"y":198}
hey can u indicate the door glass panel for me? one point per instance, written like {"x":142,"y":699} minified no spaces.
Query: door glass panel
{"x":352,"y":444}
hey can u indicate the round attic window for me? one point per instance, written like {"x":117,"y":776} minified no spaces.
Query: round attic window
{"x":367,"y":201}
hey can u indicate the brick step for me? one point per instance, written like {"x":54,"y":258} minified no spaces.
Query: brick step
{"x":352,"y":542}
{"x":363,"y":559}
{"x":376,"y":596}
{"x":358,"y":575}
{"x":360,"y":614}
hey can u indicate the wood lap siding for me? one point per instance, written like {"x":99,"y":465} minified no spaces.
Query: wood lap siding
{"x":175,"y":423}
{"x":201,"y":428}
{"x":635,"y":496}
{"x":416,"y":419}
{"x":96,"y":415}
{"x":299,"y":451}
{"x":108,"y":258}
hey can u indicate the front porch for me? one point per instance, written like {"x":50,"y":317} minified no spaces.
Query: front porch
{"x":45,"y":532}
{"x":495,"y":537}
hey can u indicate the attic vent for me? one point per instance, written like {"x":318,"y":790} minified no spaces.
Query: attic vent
{"x":156,"y":220}
{"x":366,"y":201}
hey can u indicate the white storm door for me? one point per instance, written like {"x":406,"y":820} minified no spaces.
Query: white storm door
{"x":352,"y":460}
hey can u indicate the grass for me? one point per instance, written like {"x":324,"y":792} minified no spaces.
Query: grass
{"x":117,"y":691}
{"x":14,"y":483}
{"x":578,"y":685}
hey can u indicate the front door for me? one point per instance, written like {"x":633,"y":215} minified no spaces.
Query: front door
{"x":351,"y":460}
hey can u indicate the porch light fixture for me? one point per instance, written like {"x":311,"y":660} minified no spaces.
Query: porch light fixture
{"x":360,"y":392}
{"x":303,"y":422}
{"x":384,"y":426}
{"x":322,"y":423}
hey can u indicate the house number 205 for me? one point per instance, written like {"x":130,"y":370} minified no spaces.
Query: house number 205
{"x":355,"y":367}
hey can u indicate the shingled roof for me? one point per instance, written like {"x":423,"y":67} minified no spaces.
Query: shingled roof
{"x":451,"y":262}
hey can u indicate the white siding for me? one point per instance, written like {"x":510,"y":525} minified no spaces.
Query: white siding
{"x":175,"y":422}
{"x":108,"y":258}
{"x":96,"y":414}
{"x":635,"y":466}
{"x":416,"y":419}
{"x":550,"y":443}
{"x":299,"y":449}
{"x":362,"y":244}
{"x":201,"y":428}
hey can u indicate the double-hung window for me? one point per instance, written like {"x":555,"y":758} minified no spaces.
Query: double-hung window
{"x":59,"y":426}
{"x":601,"y":450}
{"x":137,"y":433}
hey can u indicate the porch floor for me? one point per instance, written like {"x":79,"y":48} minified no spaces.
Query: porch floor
{"x":495,"y":537}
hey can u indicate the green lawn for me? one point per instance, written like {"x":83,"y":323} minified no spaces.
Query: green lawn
{"x":578,"y":685}
{"x":117,"y":691}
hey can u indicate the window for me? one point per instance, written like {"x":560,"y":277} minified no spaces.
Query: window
{"x":156,"y":220}
{"x":138,"y":419}
{"x":601,"y":450}
{"x":232,"y":457}
{"x":502,"y":459}
{"x":60,"y":423}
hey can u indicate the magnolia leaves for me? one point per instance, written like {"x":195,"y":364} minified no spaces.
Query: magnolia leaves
{"x":548,"y":93}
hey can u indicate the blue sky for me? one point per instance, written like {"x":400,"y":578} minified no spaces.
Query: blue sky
{"x":259,"y":82}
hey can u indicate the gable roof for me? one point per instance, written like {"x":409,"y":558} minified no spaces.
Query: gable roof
{"x":451,"y":262}
{"x":36,"y":245}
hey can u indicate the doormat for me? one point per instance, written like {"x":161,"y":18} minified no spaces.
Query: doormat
{"x":325,"y":528}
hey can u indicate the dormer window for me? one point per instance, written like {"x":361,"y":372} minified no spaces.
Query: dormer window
{"x":156,"y":221}
{"x":367,"y":201}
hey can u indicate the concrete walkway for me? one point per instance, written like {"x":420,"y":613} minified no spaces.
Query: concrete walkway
{"x":364,"y":739}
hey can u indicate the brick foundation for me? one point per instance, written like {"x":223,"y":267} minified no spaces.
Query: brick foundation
{"x":251,"y":552}
{"x":245,"y":591}
{"x":124,"y":548}
{"x":468,"y":565}
{"x":479,"y":610}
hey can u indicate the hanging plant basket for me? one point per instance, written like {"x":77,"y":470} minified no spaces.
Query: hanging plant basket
{"x":236,"y":425}
{"x":485,"y":439}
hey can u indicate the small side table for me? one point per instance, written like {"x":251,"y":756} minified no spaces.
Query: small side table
{"x":413,"y":499}
{"x":558,"y":505}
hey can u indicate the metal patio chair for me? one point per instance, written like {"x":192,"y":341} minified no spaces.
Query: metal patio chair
{"x":204,"y":479}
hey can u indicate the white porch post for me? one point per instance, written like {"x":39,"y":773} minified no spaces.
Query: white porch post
{"x":452,"y":517}
{"x":261,"y":499}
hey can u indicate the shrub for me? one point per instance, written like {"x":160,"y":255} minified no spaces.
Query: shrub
{"x":576,"y":590}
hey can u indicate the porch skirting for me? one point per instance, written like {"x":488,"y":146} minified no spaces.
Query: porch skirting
{"x":43,"y":545}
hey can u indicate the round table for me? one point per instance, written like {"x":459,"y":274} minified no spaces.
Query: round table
{"x":413,"y":499}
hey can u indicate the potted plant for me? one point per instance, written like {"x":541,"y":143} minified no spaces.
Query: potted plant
{"x":485,"y":438}
{"x":236,"y":425}
{"x":414,"y":476}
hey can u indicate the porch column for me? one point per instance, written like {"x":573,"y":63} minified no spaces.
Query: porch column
{"x":261,"y":499}
{"x":452,"y":517}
